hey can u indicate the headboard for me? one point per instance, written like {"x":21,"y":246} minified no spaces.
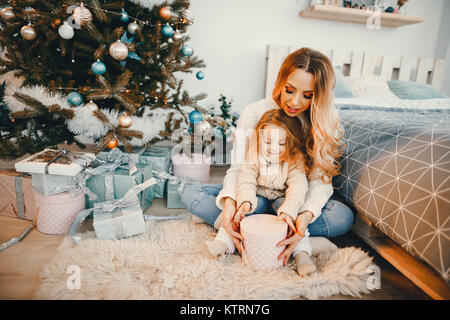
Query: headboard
{"x":360,"y":64}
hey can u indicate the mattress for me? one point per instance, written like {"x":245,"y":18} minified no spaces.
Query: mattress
{"x":395,"y":172}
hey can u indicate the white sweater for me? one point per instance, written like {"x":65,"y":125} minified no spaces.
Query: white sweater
{"x":318,"y":192}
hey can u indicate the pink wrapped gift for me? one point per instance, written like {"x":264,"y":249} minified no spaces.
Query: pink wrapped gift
{"x":16,"y":195}
{"x":195,"y":167}
{"x":261,"y":233}
{"x":57,"y":212}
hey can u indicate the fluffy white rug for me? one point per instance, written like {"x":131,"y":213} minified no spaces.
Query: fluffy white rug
{"x":170,"y":261}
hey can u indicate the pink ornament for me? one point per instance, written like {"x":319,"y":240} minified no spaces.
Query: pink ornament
{"x":395,"y":10}
{"x":57,"y":212}
{"x":262,"y":233}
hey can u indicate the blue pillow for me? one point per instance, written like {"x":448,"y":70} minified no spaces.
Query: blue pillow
{"x":342,"y":89}
{"x":413,"y":90}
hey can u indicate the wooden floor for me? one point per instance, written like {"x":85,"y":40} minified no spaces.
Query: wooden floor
{"x":20,"y":264}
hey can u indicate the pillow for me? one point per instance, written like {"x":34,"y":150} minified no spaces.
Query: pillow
{"x":371,"y":88}
{"x":413,"y":90}
{"x":342,"y":89}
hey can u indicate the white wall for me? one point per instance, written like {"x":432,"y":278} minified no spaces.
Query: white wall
{"x":443,"y":46}
{"x":231,"y":37}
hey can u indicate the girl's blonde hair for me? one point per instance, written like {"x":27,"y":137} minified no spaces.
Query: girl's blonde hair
{"x":321,"y":128}
{"x":295,"y":149}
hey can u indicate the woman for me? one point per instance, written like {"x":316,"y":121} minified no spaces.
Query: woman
{"x":303,"y":89}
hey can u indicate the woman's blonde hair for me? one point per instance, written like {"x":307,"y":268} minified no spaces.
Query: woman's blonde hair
{"x":322,"y":130}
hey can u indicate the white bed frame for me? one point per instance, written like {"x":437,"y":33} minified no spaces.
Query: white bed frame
{"x":361,"y":64}
{"x":358,"y":65}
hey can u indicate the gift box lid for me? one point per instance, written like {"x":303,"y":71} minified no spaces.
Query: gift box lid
{"x":263,"y":228}
{"x":55,"y":162}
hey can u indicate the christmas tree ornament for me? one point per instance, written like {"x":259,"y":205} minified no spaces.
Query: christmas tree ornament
{"x":125,"y":121}
{"x":118,"y":50}
{"x":235,"y":115}
{"x":7,"y":14}
{"x":133,"y":27}
{"x":91,"y":105}
{"x":200,"y":75}
{"x":176,"y":36}
{"x":28,"y":32}
{"x":195,"y":117}
{"x":167,"y":31}
{"x":186,"y":50}
{"x":112,"y":143}
{"x":98,"y":67}
{"x":74,"y":98}
{"x":82,"y":15}
{"x":187,"y":16}
{"x":165,"y":13}
{"x":124,"y":17}
{"x":66,"y":31}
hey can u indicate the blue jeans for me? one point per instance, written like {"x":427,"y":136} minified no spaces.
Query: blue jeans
{"x":200,"y":199}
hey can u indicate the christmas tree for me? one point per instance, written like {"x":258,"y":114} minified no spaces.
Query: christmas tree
{"x":99,"y":69}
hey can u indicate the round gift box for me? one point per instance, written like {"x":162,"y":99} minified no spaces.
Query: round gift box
{"x":196,"y":168}
{"x":57,"y":212}
{"x":262,"y":233}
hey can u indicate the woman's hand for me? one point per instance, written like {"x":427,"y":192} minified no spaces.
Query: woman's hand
{"x":292,"y":238}
{"x":228,"y":213}
{"x":240,"y":214}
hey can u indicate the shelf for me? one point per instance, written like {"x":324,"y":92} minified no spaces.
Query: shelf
{"x":327,"y":12}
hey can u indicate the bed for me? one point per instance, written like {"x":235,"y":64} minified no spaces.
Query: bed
{"x":396,"y":165}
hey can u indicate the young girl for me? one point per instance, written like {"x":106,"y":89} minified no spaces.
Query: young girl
{"x":274,"y":169}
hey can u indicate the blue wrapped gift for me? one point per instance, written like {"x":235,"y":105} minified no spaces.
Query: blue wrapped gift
{"x":118,"y":218}
{"x":114,"y":184}
{"x":173,"y":195}
{"x":159,"y":158}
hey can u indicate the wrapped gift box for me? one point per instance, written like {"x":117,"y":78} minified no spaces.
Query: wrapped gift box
{"x":57,"y":212}
{"x":16,"y":195}
{"x":173,"y":196}
{"x":50,"y":184}
{"x":120,"y":223}
{"x":55,"y":162}
{"x":116,"y":219}
{"x":159,"y":157}
{"x":114,"y":185}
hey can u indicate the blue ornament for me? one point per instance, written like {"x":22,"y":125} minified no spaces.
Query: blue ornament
{"x":389,"y":9}
{"x":195,"y":117}
{"x":167,"y":31}
{"x":98,"y":67}
{"x":74,"y":98}
{"x":187,"y":51}
{"x":124,"y":17}
{"x":235,"y":115}
{"x":200,"y":75}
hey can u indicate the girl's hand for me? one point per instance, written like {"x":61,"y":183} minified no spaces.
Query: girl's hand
{"x":302,"y":222}
{"x":240,"y":214}
{"x":290,"y":222}
{"x":228,"y":213}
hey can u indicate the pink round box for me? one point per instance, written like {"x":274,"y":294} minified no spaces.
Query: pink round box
{"x":196,"y":168}
{"x":261,"y":233}
{"x":57,"y":212}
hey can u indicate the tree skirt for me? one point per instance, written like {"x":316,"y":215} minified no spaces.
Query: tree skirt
{"x":170,"y":261}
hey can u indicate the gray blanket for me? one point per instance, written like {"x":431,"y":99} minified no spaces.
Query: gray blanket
{"x":395,"y":172}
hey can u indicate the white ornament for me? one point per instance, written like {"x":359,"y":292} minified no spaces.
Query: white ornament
{"x":133,"y":27}
{"x":118,"y":50}
{"x":91,"y":105}
{"x":66,"y":31}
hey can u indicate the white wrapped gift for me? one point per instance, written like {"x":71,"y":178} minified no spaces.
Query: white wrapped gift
{"x":48,"y":161}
